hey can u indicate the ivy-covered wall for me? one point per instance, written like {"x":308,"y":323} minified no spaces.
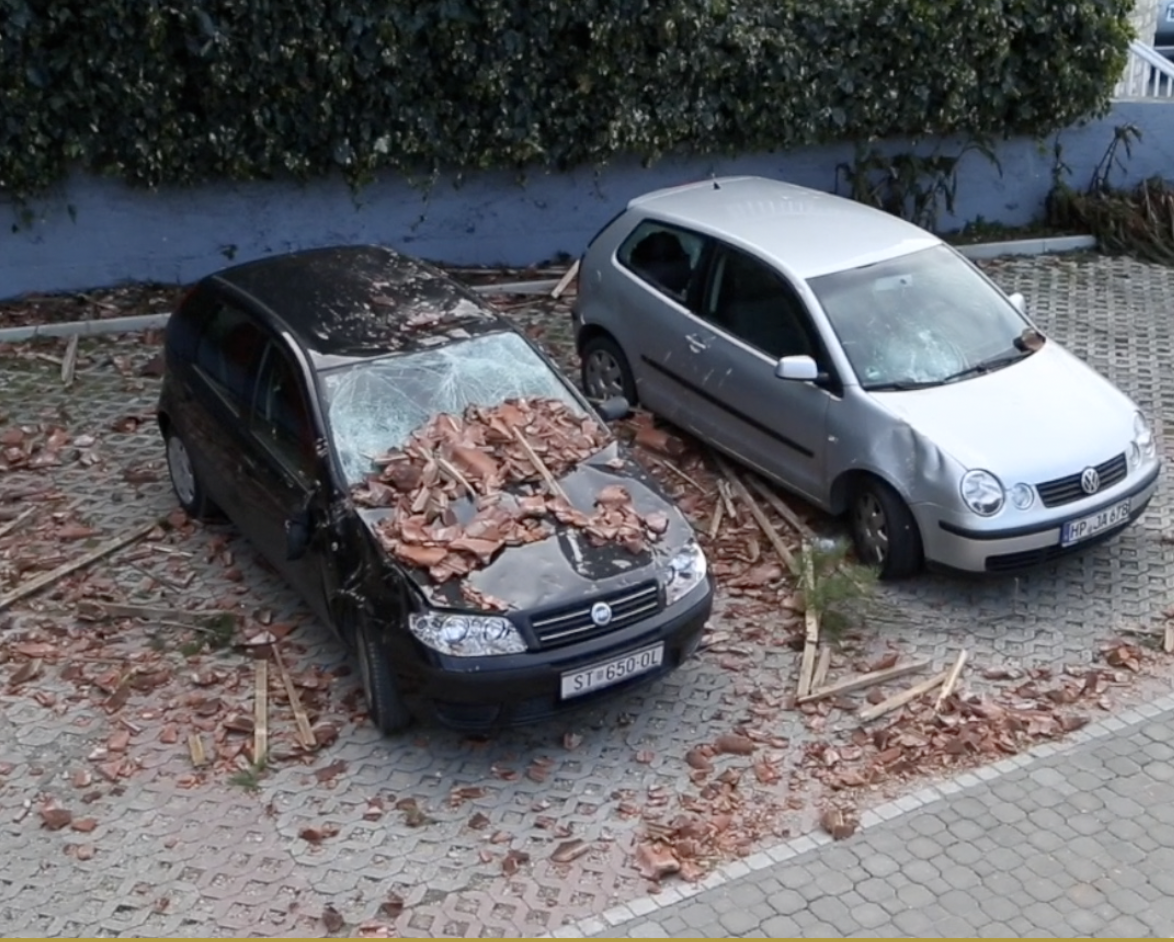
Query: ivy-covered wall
{"x":94,"y":231}
{"x":152,"y":92}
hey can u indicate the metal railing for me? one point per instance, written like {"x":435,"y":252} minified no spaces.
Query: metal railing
{"x":1148,"y":74}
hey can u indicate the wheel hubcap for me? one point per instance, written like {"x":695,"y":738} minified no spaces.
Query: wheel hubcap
{"x":179,"y":465}
{"x":605,"y":377}
{"x":872,"y":528}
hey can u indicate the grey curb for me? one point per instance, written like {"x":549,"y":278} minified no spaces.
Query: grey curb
{"x":1046,"y":246}
{"x":120,"y":325}
{"x":92,"y":328}
{"x":907,"y":804}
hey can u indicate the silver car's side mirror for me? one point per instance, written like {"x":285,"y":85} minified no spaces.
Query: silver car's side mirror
{"x":1020,"y":302}
{"x":800,"y":368}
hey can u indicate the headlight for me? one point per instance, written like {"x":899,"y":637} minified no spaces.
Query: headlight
{"x":1143,"y":438}
{"x":467,"y":635}
{"x":982,"y":492}
{"x":684,"y":573}
{"x":1022,"y":496}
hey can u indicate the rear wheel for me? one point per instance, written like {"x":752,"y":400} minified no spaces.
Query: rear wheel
{"x":606,"y":372}
{"x":884,"y":530}
{"x":188,"y":490}
{"x":384,"y":705}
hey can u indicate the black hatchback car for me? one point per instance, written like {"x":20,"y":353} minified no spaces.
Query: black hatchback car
{"x":437,"y":491}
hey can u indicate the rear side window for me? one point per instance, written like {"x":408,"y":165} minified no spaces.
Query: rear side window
{"x":666,"y":257}
{"x":229,"y":353}
{"x":184,"y":325}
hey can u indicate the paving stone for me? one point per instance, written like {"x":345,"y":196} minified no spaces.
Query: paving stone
{"x":1112,"y":312}
{"x":738,"y":922}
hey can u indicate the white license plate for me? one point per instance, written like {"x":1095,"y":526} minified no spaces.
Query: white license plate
{"x":1085,"y":527}
{"x":577,"y":683}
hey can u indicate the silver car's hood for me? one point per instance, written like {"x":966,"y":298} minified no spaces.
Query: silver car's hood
{"x":1043,"y":417}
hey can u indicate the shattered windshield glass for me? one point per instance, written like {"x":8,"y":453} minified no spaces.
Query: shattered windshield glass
{"x":920,"y":319}
{"x":376,"y":405}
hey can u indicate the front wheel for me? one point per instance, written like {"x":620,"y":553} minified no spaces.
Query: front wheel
{"x":384,"y":705}
{"x":884,"y":530}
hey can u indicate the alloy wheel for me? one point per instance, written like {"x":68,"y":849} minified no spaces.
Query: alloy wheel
{"x":872,"y":527}
{"x":605,"y":376}
{"x":179,"y":466}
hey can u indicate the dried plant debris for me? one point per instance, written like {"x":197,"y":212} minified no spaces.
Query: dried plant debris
{"x":507,"y":460}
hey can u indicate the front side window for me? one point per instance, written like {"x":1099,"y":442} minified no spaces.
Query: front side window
{"x":376,"y":405}
{"x":748,"y":299}
{"x":666,"y":257}
{"x":282,"y":418}
{"x":922,"y":319}
{"x":229,"y":353}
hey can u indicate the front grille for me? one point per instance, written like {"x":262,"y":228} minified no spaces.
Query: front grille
{"x":1067,"y":489}
{"x":572,"y":623}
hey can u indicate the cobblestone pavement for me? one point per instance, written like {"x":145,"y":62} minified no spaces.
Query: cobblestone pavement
{"x":1068,"y":841}
{"x":465,"y":832}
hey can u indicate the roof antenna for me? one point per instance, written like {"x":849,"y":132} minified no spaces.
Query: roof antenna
{"x":716,"y":185}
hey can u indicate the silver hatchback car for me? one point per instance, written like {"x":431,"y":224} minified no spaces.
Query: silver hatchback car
{"x":865,"y":365}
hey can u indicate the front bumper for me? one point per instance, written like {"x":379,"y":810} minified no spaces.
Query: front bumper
{"x":493,"y":692}
{"x":949,"y":546}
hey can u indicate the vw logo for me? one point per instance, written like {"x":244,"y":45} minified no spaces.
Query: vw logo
{"x":1090,"y":481}
{"x":601,"y":613}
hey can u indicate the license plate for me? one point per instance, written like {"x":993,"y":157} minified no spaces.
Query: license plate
{"x":577,"y":683}
{"x":1085,"y":527}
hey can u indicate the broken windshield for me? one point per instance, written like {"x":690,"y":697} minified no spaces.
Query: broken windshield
{"x":376,"y":405}
{"x":921,"y":319}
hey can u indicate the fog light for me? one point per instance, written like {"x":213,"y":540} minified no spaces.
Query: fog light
{"x":1022,"y":496}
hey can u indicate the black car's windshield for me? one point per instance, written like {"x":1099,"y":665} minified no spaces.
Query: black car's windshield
{"x":376,"y":405}
{"x":920,"y":320}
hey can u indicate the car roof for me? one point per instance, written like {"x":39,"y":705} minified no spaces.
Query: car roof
{"x":807,"y":231}
{"x":361,"y":300}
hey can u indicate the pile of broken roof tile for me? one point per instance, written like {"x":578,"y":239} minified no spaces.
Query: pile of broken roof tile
{"x":508,"y":460}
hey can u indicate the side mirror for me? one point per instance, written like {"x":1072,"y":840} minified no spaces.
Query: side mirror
{"x":799,"y":368}
{"x":614,"y":408}
{"x":298,"y":530}
{"x":1019,"y":302}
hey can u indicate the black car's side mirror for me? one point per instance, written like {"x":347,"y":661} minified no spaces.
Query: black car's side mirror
{"x":614,"y":408}
{"x":298,"y":530}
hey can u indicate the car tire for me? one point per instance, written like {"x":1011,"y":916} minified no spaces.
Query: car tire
{"x":884,"y":530}
{"x":384,"y":704}
{"x":184,"y":482}
{"x":605,"y":370}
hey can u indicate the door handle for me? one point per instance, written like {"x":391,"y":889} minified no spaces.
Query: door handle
{"x":696,"y":342}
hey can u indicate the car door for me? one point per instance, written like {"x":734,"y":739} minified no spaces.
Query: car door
{"x":283,"y":474}
{"x":218,"y":396}
{"x":661,"y":271}
{"x":752,"y":317}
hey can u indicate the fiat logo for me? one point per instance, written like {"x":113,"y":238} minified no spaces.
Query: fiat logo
{"x":1090,"y":481}
{"x":601,"y":613}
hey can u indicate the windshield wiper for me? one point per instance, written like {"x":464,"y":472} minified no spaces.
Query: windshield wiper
{"x":989,"y":365}
{"x":906,"y":385}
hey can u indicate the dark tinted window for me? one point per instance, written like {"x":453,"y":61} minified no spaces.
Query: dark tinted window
{"x":282,"y":417}
{"x":184,"y":325}
{"x":229,"y":352}
{"x":750,"y":300}
{"x":666,"y":257}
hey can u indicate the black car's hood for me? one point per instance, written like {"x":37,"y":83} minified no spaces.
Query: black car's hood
{"x":566,"y":566}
